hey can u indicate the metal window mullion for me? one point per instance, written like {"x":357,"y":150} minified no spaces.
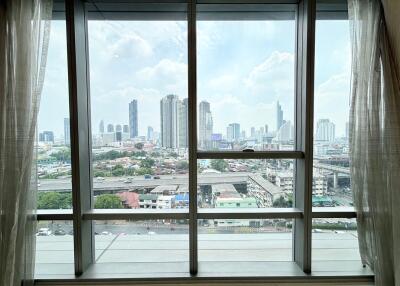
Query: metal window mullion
{"x":192,"y":90}
{"x":304,"y":131}
{"x":80,"y":133}
{"x":250,"y":155}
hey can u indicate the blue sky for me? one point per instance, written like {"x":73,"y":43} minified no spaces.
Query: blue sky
{"x":243,"y":69}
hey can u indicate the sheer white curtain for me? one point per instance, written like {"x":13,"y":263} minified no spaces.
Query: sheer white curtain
{"x":24,"y":32}
{"x":375,"y":141}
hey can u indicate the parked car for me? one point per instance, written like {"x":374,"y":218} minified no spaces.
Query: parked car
{"x":156,"y":177}
{"x":60,"y":232}
{"x":44,"y":232}
{"x":147,"y":176}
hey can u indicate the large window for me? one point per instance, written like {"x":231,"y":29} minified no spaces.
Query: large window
{"x":202,"y":142}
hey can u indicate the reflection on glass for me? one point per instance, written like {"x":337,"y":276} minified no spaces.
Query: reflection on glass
{"x":139,"y":114}
{"x":53,"y":149}
{"x":244,"y":240}
{"x":54,"y":248}
{"x":246,"y":84}
{"x":245,"y":183}
{"x":335,"y":239}
{"x":331,"y":125}
{"x":140,"y":242}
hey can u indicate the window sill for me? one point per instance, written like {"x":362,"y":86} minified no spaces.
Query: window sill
{"x":324,"y":271}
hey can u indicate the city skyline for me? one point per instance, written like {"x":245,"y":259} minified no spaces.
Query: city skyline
{"x":151,"y":79}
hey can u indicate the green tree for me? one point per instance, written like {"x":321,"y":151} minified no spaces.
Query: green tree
{"x":147,"y":163}
{"x":139,"y":146}
{"x":281,"y":202}
{"x":182,"y":165}
{"x":108,"y":201}
{"x":144,"y":171}
{"x":63,"y":155}
{"x":219,"y":165}
{"x":54,"y":200}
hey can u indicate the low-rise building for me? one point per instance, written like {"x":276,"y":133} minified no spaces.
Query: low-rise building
{"x":148,"y":201}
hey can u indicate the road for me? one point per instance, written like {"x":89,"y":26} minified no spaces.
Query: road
{"x":121,"y":183}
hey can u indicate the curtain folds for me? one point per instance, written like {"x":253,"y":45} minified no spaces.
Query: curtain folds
{"x":24,"y":36}
{"x":375,"y":141}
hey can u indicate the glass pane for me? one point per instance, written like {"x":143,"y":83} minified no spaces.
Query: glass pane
{"x":331,"y":127}
{"x":245,"y":83}
{"x":245,"y":183}
{"x":139,"y":112}
{"x":241,"y":241}
{"x":54,"y":156}
{"x":335,"y":239}
{"x":54,"y":249}
{"x":142,"y":247}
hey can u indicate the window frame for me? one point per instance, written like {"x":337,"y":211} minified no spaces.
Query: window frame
{"x":302,"y":213}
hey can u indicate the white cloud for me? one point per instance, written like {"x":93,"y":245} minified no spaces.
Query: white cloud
{"x":332,"y":100}
{"x":130,"y":46}
{"x":273,"y":77}
{"x":167,"y":76}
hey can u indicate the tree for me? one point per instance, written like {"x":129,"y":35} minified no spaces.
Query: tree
{"x":281,"y":202}
{"x":147,"y":163}
{"x":139,"y":146}
{"x":63,"y":155}
{"x":54,"y":200}
{"x":108,"y":201}
{"x":182,"y":165}
{"x":144,"y":171}
{"x":219,"y":165}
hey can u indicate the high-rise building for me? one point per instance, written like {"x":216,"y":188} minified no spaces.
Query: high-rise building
{"x":243,"y":134}
{"x":46,"y":136}
{"x":118,"y":128}
{"x":253,"y":132}
{"x":67,"y":133}
{"x":110,"y":128}
{"x":205,"y":124}
{"x":233,"y":132}
{"x":133,"y":118}
{"x":279,"y":116}
{"x":266,"y":129}
{"x":150,"y":133}
{"x":347,"y":135}
{"x":325,"y":130}
{"x":183,"y":106}
{"x":125,"y":128}
{"x":285,"y":132}
{"x":101,"y":127}
{"x":169,"y":121}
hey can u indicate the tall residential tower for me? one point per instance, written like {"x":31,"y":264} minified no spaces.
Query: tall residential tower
{"x":133,"y":119}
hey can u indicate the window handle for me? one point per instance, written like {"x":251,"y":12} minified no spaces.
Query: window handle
{"x":248,"y":150}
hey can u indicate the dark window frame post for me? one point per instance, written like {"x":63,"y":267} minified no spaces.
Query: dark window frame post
{"x":78,"y":81}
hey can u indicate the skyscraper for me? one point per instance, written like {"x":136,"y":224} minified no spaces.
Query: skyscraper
{"x":125,"y":128}
{"x":347,"y":135}
{"x":110,"y":128}
{"x":169,"y":121}
{"x":101,"y":127}
{"x":183,"y":123}
{"x":133,"y":118}
{"x":118,"y":128}
{"x":253,"y":132}
{"x":279,"y":116}
{"x":46,"y":136}
{"x":266,"y":129}
{"x":205,"y":124}
{"x":233,"y":132}
{"x":67,"y":133}
{"x":285,"y":132}
{"x":325,"y":130}
{"x":150,"y":133}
